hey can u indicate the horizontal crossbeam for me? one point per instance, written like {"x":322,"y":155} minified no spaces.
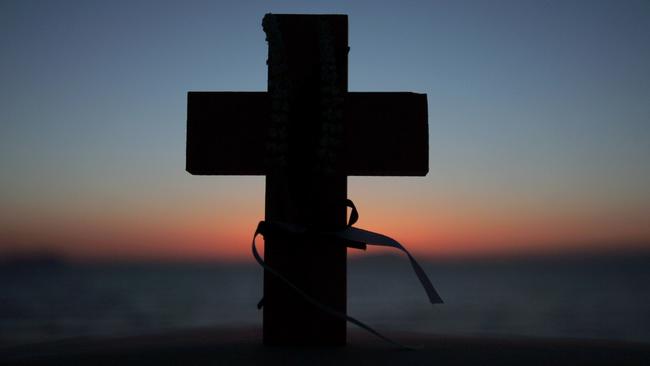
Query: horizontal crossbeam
{"x":386,"y":133}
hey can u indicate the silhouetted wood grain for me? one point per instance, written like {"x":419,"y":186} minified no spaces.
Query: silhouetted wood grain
{"x":309,"y":191}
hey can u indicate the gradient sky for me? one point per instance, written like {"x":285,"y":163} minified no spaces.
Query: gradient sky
{"x":539,"y":118}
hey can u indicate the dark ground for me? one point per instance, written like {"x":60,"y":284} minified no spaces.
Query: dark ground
{"x":243,"y":347}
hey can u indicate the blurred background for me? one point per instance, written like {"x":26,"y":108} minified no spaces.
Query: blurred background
{"x":534,"y":219}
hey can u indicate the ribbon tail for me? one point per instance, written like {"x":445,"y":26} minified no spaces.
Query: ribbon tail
{"x":371,"y":238}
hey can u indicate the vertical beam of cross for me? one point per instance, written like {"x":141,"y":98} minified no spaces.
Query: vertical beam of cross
{"x":305,"y":183}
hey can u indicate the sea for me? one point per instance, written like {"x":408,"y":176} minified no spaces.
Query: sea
{"x":605,"y":296}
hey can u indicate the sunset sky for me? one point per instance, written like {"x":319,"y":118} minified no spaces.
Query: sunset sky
{"x":539,"y":124}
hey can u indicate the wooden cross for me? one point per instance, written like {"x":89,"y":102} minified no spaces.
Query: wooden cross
{"x":306,"y":135}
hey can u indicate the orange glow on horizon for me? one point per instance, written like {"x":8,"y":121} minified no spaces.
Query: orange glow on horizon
{"x":207,"y":236}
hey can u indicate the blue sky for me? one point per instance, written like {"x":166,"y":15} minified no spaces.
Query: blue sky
{"x":539,"y":114}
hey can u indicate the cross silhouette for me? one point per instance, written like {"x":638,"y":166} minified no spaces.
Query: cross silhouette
{"x":306,"y":134}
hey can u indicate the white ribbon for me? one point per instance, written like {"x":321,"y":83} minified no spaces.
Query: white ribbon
{"x":354,"y":237}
